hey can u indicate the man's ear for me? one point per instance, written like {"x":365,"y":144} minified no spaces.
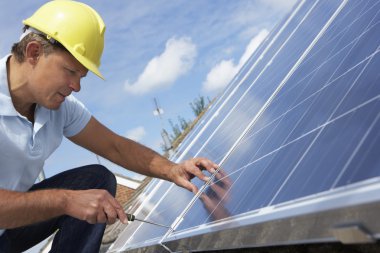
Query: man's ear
{"x":33,"y":52}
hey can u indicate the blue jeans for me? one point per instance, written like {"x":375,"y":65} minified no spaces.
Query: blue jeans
{"x":73,"y":235}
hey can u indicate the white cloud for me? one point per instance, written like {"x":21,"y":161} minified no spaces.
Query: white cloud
{"x":252,"y":46}
{"x":220,"y":75}
{"x":163,"y":70}
{"x":136,"y":134}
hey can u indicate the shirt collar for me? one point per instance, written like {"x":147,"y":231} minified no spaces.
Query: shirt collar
{"x":6,"y":105}
{"x":42,"y":114}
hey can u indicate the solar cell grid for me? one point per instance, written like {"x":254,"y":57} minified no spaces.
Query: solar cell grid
{"x":365,"y":162}
{"x":328,"y":100}
{"x":326,"y":156}
{"x":334,"y":46}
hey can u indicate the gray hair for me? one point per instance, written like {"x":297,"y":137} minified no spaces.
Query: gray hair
{"x":29,"y":35}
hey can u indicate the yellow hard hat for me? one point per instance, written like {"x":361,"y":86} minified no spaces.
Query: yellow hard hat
{"x":75,"y":25}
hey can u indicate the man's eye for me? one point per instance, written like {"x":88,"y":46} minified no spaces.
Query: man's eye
{"x":71,"y":72}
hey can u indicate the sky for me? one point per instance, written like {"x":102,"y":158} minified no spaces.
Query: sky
{"x":174,"y":51}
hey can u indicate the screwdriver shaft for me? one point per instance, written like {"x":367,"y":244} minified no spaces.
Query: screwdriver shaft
{"x":131,"y":217}
{"x":157,"y":224}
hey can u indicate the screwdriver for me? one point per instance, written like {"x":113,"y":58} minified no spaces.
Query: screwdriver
{"x":131,"y":217}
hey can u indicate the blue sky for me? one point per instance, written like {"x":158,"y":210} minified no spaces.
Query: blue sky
{"x":174,"y":51}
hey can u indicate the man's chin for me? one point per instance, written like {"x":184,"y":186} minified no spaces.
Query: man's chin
{"x":53,"y":106}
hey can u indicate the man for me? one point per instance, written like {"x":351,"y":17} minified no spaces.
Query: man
{"x":62,"y":41}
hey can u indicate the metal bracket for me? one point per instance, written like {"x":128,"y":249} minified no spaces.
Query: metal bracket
{"x":352,"y":233}
{"x":165,"y":247}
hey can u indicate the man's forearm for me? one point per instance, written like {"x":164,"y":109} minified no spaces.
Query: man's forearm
{"x":136,"y":157}
{"x":20,"y":208}
{"x":122,"y":151}
{"x":141,"y":159}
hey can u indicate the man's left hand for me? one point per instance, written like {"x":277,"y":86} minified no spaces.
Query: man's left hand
{"x":182,"y":173}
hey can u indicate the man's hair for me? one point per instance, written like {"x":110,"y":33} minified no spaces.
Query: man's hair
{"x":19,"y":48}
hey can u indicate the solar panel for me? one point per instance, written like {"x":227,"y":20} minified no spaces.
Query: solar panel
{"x":296,"y":133}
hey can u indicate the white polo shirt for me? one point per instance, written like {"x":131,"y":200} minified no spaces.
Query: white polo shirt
{"x":24,"y":146}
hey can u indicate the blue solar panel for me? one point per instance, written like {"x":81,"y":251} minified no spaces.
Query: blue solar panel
{"x":302,"y":119}
{"x":315,"y":131}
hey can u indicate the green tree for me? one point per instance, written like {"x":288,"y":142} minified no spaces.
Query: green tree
{"x":176,"y":130}
{"x":184,"y":123}
{"x":199,"y":105}
{"x":181,"y":128}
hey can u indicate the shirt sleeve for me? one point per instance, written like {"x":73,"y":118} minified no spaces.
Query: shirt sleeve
{"x":76,"y":116}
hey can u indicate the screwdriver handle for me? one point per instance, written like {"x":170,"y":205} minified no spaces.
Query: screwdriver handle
{"x":130,"y":217}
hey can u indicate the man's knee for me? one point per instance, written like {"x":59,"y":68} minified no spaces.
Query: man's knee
{"x":92,"y":176}
{"x":106,"y":178}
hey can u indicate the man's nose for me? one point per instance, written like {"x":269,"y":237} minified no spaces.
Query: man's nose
{"x":75,"y":86}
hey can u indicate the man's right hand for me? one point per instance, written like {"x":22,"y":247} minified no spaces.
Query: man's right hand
{"x":94,"y":206}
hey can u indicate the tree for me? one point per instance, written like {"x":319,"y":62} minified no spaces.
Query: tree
{"x":178,"y":128}
{"x":199,"y":105}
{"x":184,"y":123}
{"x":182,"y":127}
